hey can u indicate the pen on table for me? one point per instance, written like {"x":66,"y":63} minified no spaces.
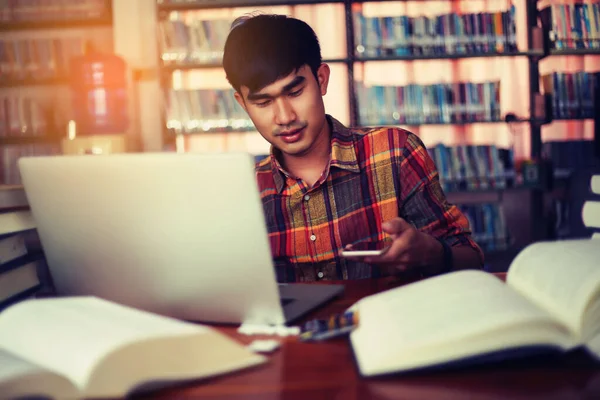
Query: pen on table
{"x":334,"y":326}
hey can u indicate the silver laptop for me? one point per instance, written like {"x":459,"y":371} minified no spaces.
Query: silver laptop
{"x":182,"y":235}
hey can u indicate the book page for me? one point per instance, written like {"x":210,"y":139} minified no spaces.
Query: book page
{"x":19,"y":378}
{"x":561,"y":276}
{"x":69,"y":335}
{"x":440,"y":315}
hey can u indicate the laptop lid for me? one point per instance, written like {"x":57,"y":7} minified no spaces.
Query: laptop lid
{"x":177,"y":234}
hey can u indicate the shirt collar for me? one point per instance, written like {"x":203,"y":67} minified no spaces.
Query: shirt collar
{"x":343,"y":153}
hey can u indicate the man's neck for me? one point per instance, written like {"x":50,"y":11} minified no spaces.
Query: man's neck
{"x":310,"y":166}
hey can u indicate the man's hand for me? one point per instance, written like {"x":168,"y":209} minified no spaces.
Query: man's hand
{"x":410,"y":248}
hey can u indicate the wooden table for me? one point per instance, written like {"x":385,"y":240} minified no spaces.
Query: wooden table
{"x":327,"y":370}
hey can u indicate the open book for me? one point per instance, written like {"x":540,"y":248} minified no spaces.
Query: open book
{"x":85,"y":347}
{"x":550,"y":301}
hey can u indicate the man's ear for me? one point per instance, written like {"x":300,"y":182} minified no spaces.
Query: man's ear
{"x":323,"y":78}
{"x":240,"y":100}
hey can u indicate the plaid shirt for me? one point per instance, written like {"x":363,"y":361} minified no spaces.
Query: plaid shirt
{"x":373,"y":175}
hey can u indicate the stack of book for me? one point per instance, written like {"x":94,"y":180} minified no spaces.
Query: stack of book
{"x":20,"y":261}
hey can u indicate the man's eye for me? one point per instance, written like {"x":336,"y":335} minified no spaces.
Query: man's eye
{"x":263,"y":103}
{"x":295,"y":93}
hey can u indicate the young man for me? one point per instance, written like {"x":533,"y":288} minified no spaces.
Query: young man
{"x":325,"y":186}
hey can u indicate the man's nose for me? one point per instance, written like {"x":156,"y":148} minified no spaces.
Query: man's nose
{"x":284,"y":112}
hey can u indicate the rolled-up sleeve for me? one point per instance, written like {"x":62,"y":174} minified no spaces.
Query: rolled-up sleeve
{"x":423,"y":202}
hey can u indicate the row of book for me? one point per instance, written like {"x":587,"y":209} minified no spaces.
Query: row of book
{"x":22,"y":262}
{"x":572,"y":93}
{"x":9,"y":155}
{"x":572,"y":25}
{"x":40,"y":58}
{"x":198,"y":41}
{"x":473,"y":167}
{"x":488,"y":225}
{"x":23,"y":116}
{"x":204,"y":110}
{"x":435,"y":35}
{"x":458,"y":102}
{"x":51,"y":10}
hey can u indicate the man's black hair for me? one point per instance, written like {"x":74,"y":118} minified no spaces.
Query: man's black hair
{"x":263,"y":48}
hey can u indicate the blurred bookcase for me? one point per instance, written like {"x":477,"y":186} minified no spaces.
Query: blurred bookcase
{"x":37,"y":41}
{"x":480,"y":177}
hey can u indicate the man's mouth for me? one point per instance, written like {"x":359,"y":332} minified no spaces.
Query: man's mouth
{"x":291,"y":136}
{"x":290,"y":132}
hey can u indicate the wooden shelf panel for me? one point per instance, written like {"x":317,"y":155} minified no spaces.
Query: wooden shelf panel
{"x":64,"y":24}
{"x":456,"y":56}
{"x":204,"y":4}
{"x":9,"y":83}
{"x":25,"y":140}
{"x":574,"y":52}
{"x":170,"y":67}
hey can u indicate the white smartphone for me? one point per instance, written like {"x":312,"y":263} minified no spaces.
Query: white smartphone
{"x":365,"y":249}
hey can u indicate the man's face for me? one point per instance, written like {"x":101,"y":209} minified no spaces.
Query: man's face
{"x":289,"y":113}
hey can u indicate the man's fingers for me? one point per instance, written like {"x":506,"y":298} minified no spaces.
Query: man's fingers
{"x":396,"y":226}
{"x":394,"y":254}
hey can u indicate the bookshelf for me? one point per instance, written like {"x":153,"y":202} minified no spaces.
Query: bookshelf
{"x":535,"y":48}
{"x":351,"y":58}
{"x":37,"y":42}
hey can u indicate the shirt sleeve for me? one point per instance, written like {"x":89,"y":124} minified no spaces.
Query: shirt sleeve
{"x":423,"y":202}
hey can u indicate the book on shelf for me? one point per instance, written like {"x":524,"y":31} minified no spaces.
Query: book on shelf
{"x":473,"y":167}
{"x":571,"y":25}
{"x":488,"y":225}
{"x":87,"y":347}
{"x":205,"y":110}
{"x":23,"y":116}
{"x":549,"y":304}
{"x":195,"y":41}
{"x":401,"y":35}
{"x":442,"y":103}
{"x":572,"y":93}
{"x":37,"y":59}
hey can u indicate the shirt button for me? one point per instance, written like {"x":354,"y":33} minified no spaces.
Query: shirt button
{"x":306,"y":197}
{"x":313,"y":237}
{"x":320,"y":275}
